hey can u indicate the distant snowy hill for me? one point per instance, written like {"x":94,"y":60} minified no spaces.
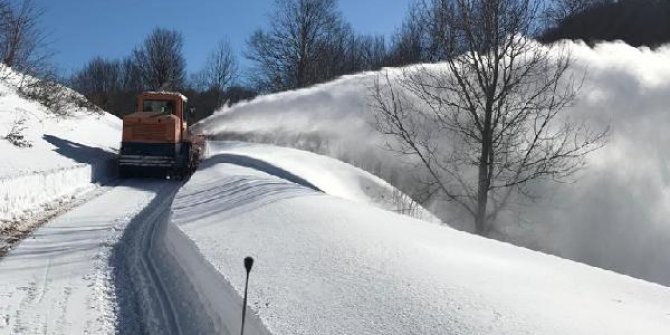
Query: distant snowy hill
{"x":615,"y":217}
{"x":62,"y":155}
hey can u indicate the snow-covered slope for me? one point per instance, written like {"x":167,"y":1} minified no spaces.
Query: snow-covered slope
{"x":326,"y":174}
{"x":327,"y":265}
{"x":67,"y":153}
{"x":615,"y":216}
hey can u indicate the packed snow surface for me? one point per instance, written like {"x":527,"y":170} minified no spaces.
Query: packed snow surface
{"x":328,"y":265}
{"x":60,"y":280}
{"x":133,"y":260}
{"x":615,"y":216}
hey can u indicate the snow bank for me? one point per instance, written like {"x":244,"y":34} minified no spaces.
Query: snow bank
{"x":24,"y":194}
{"x":326,"y":174}
{"x":326,"y":265}
{"x":615,"y":216}
{"x":67,"y":153}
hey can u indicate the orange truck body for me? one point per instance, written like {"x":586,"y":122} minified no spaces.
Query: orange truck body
{"x":156,"y":138}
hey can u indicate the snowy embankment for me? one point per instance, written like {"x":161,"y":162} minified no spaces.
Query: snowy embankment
{"x":62,"y":156}
{"x":328,"y":265}
{"x":615,"y":216}
{"x":326,"y":174}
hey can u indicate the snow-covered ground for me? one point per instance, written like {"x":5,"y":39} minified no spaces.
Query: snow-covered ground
{"x":324,"y":173}
{"x":117,"y":264}
{"x":68,"y":154}
{"x":615,"y":216}
{"x":328,"y":265}
{"x":325,"y":264}
{"x":61,"y":280}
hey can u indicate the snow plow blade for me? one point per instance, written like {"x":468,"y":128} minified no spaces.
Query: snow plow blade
{"x":146,"y":161}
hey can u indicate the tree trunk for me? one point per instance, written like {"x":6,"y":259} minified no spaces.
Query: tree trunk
{"x":482,"y":193}
{"x":481,"y":224}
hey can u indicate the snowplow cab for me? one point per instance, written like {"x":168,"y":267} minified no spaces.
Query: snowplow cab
{"x":156,"y":140}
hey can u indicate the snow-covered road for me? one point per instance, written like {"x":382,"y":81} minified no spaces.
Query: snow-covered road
{"x":163,"y":286}
{"x":59,"y":280}
{"x":115,"y":264}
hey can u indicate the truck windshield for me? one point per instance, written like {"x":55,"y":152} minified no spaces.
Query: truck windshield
{"x":166,"y":107}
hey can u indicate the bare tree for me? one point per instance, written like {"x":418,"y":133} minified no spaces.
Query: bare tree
{"x":160,"y":60}
{"x":23,"y":47}
{"x":407,"y":43}
{"x":359,"y":53}
{"x":335,"y":55}
{"x":286,"y":53}
{"x":219,"y":72}
{"x":487,"y":122}
{"x":421,"y":37}
{"x":131,"y":76}
{"x":22,"y":42}
{"x":99,"y":80}
{"x":372,"y":51}
{"x":109,"y":84}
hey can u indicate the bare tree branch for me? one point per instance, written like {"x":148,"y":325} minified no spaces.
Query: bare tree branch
{"x":489,"y":119}
{"x":219,"y":72}
{"x":160,"y":60}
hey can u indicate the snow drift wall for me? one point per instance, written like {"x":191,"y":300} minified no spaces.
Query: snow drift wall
{"x":26,"y":194}
{"x":615,"y":216}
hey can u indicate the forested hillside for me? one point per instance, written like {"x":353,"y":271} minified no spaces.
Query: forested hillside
{"x":636,"y":22}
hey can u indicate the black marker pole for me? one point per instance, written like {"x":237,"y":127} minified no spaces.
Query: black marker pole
{"x":248,"y":263}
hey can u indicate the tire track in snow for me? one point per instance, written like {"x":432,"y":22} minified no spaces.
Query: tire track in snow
{"x":156,"y":219}
{"x":45,"y":281}
{"x":145,"y":304}
{"x":163,"y":284}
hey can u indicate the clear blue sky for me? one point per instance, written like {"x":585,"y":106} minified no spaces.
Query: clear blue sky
{"x":81,"y":29}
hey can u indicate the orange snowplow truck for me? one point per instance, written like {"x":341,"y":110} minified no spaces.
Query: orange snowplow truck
{"x":156,"y":139}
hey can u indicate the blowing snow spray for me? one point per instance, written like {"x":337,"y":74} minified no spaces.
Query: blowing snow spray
{"x":248,"y":263}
